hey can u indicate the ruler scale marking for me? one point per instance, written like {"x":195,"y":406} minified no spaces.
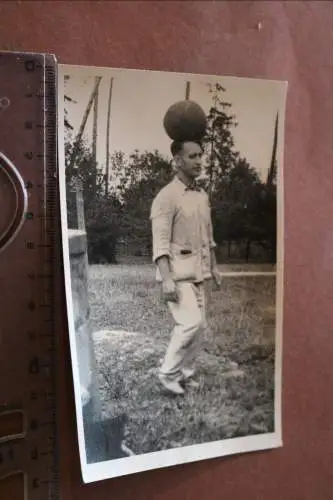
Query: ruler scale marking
{"x":31,"y":86}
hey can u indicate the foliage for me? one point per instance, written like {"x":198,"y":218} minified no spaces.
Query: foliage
{"x":101,"y":212}
{"x":219,"y":141}
{"x":232,"y":201}
{"x":103,"y":229}
{"x":243,"y":205}
{"x":141,"y":179}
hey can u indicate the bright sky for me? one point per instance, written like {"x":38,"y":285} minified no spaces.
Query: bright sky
{"x":141,"y":98}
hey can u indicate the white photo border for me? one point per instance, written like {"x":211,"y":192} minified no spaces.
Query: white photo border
{"x":160,"y":459}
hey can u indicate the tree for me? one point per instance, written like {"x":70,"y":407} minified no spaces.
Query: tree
{"x":243,"y":207}
{"x":229,"y":178}
{"x":140,"y":180}
{"x":267,"y":203}
{"x":232,"y":202}
{"x":101,"y":212}
{"x":103,"y":229}
{"x":85,"y":170}
{"x":220,"y":156}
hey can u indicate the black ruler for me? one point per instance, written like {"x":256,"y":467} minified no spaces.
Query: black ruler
{"x":29,"y":258}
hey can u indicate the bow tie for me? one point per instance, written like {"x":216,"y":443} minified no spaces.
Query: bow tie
{"x":193,"y":187}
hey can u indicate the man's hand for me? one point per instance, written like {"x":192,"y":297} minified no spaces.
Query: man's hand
{"x":169,"y":291}
{"x":217,"y":278}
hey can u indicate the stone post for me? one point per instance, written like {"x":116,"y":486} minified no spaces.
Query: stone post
{"x":84,"y":340}
{"x":103,"y":436}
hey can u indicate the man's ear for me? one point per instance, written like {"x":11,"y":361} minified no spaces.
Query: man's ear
{"x":178,"y":160}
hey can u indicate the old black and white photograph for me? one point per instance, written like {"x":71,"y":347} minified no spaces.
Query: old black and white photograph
{"x":171,"y":189}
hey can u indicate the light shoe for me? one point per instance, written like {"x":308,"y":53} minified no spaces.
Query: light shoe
{"x":192,"y":383}
{"x":171,"y":385}
{"x":188,"y":380}
{"x":188,"y":373}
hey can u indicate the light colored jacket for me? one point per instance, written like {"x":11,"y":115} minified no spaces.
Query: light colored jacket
{"x":182,"y":230}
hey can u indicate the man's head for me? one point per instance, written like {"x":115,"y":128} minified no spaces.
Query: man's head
{"x":187,"y":156}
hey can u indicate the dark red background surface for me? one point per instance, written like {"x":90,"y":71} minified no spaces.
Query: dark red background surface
{"x":294,"y":44}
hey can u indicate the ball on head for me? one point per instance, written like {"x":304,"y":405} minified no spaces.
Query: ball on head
{"x":185,"y":121}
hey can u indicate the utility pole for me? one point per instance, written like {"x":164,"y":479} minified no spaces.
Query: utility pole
{"x":212,"y":153}
{"x":187,"y":91}
{"x":108,"y":140}
{"x":272,"y":169}
{"x":95,"y":121}
{"x":84,"y":121}
{"x":94,"y":134}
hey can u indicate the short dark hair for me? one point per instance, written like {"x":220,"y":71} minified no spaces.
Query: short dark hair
{"x":176,"y":146}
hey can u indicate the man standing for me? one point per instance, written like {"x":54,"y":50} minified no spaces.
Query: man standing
{"x":184,"y":252}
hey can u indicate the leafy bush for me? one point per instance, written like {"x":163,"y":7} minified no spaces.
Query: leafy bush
{"x":243,"y":205}
{"x":102,"y":226}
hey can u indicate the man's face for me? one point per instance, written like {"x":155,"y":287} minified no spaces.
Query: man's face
{"x":189,"y":159}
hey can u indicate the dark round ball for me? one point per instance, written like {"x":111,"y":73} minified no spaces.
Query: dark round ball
{"x":185,"y":121}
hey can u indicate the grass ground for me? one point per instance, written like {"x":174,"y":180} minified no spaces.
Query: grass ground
{"x":236,"y":373}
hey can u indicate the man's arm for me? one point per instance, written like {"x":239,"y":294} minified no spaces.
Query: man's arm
{"x":214,"y":269}
{"x":168,"y":285}
{"x":163,"y":265}
{"x":213,"y":258}
{"x":161,"y":220}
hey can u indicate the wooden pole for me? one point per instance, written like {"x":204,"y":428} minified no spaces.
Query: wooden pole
{"x":272,"y":168}
{"x":80,"y":206}
{"x":108,"y":140}
{"x":212,"y":155}
{"x":95,"y":120}
{"x":84,"y":121}
{"x":187,"y":90}
{"x":94,"y":136}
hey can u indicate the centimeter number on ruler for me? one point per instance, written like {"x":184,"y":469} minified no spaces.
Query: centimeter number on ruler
{"x":36,"y":453}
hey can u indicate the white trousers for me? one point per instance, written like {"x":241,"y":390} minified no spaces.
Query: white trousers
{"x":190,"y":318}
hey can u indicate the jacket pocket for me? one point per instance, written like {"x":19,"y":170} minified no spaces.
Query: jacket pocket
{"x":183,"y":263}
